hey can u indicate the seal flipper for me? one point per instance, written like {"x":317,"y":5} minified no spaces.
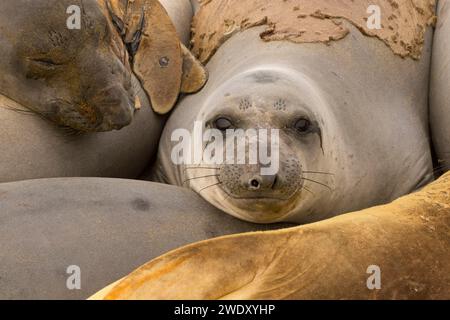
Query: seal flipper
{"x":195,"y":74}
{"x":163,"y":65}
{"x":153,"y":42}
{"x":158,"y":60}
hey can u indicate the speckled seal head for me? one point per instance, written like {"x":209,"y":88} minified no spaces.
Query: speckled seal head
{"x":268,"y":98}
{"x":352,"y":115}
{"x":76,"y":78}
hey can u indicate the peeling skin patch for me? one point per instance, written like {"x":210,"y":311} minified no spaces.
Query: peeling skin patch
{"x":403,"y":22}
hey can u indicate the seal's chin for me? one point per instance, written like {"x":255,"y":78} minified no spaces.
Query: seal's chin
{"x":261,"y":209}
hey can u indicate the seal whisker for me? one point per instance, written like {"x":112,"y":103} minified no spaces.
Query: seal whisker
{"x":319,"y":172}
{"x":319,"y":183}
{"x":210,"y":186}
{"x":306,"y":189}
{"x":207,"y":176}
{"x":185,"y":169}
{"x":18,"y":110}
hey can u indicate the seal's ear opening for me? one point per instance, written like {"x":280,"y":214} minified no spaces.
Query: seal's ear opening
{"x":195,"y":74}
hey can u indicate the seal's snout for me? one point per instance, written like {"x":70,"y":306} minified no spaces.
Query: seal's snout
{"x":249,"y":182}
{"x":117,"y":107}
{"x":252,"y":194}
{"x":119,"y":120}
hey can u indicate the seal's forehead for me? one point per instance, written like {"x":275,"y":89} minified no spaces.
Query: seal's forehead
{"x":272,"y":83}
{"x":273,"y":92}
{"x":263,"y":77}
{"x":263,"y":84}
{"x":39,"y":17}
{"x":43,"y":26}
{"x":269,"y":75}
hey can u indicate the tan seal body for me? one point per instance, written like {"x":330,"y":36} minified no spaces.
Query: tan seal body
{"x":158,"y":58}
{"x":352,"y":118}
{"x":440,"y":86}
{"x":402,"y":28}
{"x":407,"y":240}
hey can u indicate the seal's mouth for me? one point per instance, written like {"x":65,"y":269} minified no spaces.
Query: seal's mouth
{"x":260,"y":208}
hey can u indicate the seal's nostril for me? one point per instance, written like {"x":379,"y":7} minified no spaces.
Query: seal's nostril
{"x":254,"y":184}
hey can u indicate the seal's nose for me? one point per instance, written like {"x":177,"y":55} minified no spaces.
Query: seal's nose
{"x":116,"y":107}
{"x":262,"y":182}
{"x":120,"y":120}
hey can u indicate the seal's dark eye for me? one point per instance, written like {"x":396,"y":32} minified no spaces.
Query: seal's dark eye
{"x":223,"y":124}
{"x":39,"y":68}
{"x":302,"y":125}
{"x":45,"y":62}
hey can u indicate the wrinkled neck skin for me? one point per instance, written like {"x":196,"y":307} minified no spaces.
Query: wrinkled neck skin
{"x":370,"y":107}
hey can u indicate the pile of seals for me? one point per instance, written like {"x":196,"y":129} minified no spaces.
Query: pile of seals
{"x":408,"y":239}
{"x":368,"y":115}
{"x":351,"y":104}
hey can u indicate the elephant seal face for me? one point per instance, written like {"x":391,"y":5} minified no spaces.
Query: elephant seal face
{"x":77,"y":78}
{"x":284,"y":114}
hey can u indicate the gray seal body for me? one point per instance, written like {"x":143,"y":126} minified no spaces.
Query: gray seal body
{"x":440,"y":87}
{"x":106,"y":227}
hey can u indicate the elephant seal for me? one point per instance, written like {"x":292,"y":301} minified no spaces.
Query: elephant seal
{"x":164,"y":66}
{"x":33,"y":148}
{"x":80,"y":79}
{"x":106,"y":227}
{"x":439,"y":88}
{"x":405,"y":243}
{"x":351,"y":114}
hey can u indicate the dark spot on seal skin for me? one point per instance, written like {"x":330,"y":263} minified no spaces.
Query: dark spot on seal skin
{"x":139,"y":204}
{"x":264,"y":77}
